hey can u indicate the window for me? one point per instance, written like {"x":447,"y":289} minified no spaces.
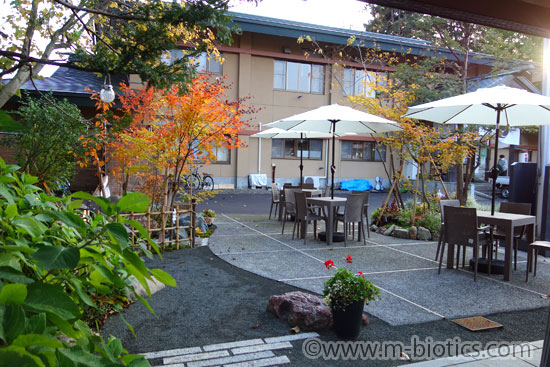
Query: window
{"x":298,"y":77}
{"x":357,"y":81}
{"x":363,"y":151}
{"x":290,"y":148}
{"x":203,"y":63}
{"x":222,"y":155}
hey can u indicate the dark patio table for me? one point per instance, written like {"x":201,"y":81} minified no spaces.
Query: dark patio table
{"x":507,"y":222}
{"x":331,"y":205}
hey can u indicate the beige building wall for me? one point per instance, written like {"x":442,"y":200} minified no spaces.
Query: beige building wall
{"x":249,"y":69}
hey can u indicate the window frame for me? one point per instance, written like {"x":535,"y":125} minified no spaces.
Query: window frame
{"x":375,"y":146}
{"x":296,"y":146}
{"x":356,"y":88}
{"x":315,"y":74}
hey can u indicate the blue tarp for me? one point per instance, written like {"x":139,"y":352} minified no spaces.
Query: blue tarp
{"x":357,"y":185}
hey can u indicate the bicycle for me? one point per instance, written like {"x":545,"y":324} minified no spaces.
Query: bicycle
{"x":198,"y":181}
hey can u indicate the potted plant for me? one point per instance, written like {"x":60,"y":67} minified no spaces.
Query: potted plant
{"x":208,"y":215}
{"x":346,"y":293}
{"x":204,"y":236}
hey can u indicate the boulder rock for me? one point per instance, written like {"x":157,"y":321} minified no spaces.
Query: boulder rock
{"x":424,"y":234}
{"x":307,"y":311}
{"x":389,"y":231}
{"x":373,"y":228}
{"x":413,"y":231}
{"x":154,"y":287}
{"x":400,"y":233}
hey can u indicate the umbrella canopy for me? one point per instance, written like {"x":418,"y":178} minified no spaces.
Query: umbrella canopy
{"x":276,"y":133}
{"x":497,"y":106}
{"x":337,"y":120}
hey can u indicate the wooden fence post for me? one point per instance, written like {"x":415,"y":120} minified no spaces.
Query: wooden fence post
{"x":193,"y":221}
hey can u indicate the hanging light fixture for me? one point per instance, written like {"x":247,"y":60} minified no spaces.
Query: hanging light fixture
{"x":107,"y":94}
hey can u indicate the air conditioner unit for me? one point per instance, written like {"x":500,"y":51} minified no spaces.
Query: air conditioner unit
{"x":318,"y":181}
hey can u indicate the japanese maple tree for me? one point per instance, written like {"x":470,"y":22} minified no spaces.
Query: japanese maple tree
{"x":170,"y":129}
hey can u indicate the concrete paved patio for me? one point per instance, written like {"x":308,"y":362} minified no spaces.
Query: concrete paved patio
{"x":405,"y":271}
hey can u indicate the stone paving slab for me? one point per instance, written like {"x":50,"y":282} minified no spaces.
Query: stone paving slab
{"x":275,"y":266}
{"x":372,"y":259}
{"x":455,"y":294}
{"x":253,"y":242}
{"x":251,"y":352}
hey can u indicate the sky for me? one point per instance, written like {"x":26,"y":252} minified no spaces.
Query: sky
{"x":349,"y":14}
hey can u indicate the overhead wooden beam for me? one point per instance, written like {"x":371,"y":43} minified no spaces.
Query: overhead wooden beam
{"x":525,"y":16}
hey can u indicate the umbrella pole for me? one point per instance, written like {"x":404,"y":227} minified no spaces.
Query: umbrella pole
{"x":495,"y":161}
{"x":333,"y":167}
{"x":301,"y":158}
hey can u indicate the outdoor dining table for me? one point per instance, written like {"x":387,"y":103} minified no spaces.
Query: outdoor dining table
{"x":331,"y":204}
{"x":506,"y":222}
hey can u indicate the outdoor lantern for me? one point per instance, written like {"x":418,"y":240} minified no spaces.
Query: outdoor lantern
{"x":107,"y":94}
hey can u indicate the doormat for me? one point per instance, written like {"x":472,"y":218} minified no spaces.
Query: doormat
{"x":477,"y":323}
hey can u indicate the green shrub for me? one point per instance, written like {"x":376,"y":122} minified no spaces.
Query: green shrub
{"x":431,"y":221}
{"x":56,"y":266}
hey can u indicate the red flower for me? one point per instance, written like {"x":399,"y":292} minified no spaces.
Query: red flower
{"x":329,"y":264}
{"x":349,"y":260}
{"x":360,"y":272}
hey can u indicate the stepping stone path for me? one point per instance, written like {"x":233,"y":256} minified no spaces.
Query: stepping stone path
{"x":243,"y":353}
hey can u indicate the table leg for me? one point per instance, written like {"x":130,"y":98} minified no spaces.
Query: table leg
{"x":330,"y":224}
{"x":509,"y":231}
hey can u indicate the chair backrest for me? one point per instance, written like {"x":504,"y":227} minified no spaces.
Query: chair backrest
{"x":308,"y":185}
{"x":290,"y":203}
{"x":460,"y":225}
{"x":353,"y":211}
{"x":301,"y":205}
{"x":443,"y":203}
{"x":516,"y":208}
{"x":275,"y":192}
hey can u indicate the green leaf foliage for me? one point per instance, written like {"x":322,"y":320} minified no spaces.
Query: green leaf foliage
{"x":13,"y":294}
{"x":134,"y":202}
{"x":57,"y":257}
{"x":57,"y":270}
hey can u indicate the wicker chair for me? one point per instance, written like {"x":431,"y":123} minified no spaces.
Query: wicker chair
{"x":461,"y":229}
{"x":366,"y":195}
{"x":289,"y":208}
{"x":304,"y":216}
{"x":443,"y":203}
{"x":353,"y":213}
{"x":275,"y":199}
{"x":513,"y":208}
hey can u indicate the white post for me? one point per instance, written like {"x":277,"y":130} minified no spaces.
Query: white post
{"x":259,"y":149}
{"x":544,"y":135}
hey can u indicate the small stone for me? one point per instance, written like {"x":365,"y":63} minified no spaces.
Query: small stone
{"x":389,"y":231}
{"x":301,"y":309}
{"x":412,"y":232}
{"x":373,"y":228}
{"x":424,"y":234}
{"x":400,"y":233}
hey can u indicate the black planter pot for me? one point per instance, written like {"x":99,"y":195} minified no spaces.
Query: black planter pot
{"x":347,"y":322}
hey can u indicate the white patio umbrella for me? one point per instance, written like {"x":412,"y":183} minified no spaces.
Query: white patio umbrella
{"x":497,"y":106}
{"x":275,"y":133}
{"x":336,"y":120}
